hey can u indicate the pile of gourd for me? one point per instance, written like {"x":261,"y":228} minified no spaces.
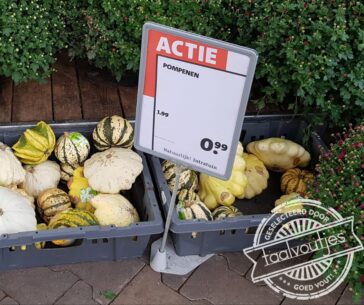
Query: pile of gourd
{"x":79,"y":190}
{"x":204,"y":197}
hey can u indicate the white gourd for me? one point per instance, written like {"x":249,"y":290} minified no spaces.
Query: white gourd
{"x":16,"y":215}
{"x":41,"y":177}
{"x":24,"y":193}
{"x":114,"y":209}
{"x":113,"y":170}
{"x":11,"y":170}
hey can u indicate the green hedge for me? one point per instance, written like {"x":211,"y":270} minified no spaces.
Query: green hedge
{"x":30,"y":35}
{"x":310,"y":52}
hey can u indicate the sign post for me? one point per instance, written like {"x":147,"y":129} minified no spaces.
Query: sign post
{"x":192,"y":96}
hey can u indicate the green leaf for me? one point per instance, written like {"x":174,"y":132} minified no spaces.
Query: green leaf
{"x":108,"y":294}
{"x":17,"y":77}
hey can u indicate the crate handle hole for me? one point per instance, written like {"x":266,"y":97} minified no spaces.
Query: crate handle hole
{"x":193,"y":235}
{"x":233,"y":232}
{"x":134,"y":238}
{"x":105,"y":240}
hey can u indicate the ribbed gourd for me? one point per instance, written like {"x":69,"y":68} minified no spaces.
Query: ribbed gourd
{"x":36,"y":144}
{"x":295,"y":181}
{"x":223,"y":212}
{"x":113,"y":131}
{"x":67,"y":171}
{"x":11,"y":170}
{"x":52,"y":201}
{"x":187,"y":195}
{"x":214,"y":192}
{"x":72,"y":148}
{"x":41,"y":177}
{"x":70,"y":219}
{"x":193,"y":210}
{"x":188,"y":178}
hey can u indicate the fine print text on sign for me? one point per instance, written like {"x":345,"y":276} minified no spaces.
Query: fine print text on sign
{"x":192,"y":98}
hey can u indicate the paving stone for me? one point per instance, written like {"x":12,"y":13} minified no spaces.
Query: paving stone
{"x":175,"y":281}
{"x":80,"y":294}
{"x":238,"y":262}
{"x":2,"y":295}
{"x":328,"y":299}
{"x":147,"y":288}
{"x":37,"y":285}
{"x":347,"y":298}
{"x":109,"y":277}
{"x":215,"y":282}
{"x":8,"y":301}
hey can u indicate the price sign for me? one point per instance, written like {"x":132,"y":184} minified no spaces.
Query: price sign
{"x":192,"y":97}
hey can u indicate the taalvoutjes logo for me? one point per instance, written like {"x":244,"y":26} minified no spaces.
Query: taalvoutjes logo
{"x":307,"y":250}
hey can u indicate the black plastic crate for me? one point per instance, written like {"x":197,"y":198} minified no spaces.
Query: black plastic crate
{"x":200,"y":237}
{"x":94,"y":243}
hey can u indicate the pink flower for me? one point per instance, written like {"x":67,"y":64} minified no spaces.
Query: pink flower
{"x":342,"y":154}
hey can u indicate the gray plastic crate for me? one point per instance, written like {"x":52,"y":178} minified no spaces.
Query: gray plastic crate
{"x":200,"y":237}
{"x":94,"y":243}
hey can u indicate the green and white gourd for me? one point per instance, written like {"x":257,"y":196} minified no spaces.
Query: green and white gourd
{"x":113,"y":131}
{"x":67,"y":171}
{"x":193,"y":210}
{"x":187,"y":195}
{"x":223,"y":212}
{"x":72,"y":148}
{"x":188,"y":178}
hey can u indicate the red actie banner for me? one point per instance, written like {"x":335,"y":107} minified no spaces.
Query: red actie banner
{"x":179,"y":48}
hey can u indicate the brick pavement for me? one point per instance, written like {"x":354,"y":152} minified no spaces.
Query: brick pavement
{"x":223,"y":279}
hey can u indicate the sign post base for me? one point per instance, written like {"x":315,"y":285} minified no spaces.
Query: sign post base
{"x":169,"y":262}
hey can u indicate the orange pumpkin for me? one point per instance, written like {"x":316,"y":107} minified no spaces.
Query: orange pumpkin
{"x":295,"y":181}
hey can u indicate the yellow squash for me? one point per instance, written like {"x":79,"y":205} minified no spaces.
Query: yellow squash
{"x":80,"y":192}
{"x":257,"y":176}
{"x":35,"y":145}
{"x":214,"y":192}
{"x":279,"y":154}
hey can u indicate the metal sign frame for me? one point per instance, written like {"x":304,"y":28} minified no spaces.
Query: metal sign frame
{"x":253,"y":57}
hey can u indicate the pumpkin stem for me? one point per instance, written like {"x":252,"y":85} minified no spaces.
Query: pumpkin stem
{"x":1,"y":212}
{"x":66,"y":134}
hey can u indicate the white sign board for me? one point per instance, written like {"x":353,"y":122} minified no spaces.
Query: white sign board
{"x":192,"y":97}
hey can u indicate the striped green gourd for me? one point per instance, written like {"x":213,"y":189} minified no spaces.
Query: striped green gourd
{"x":67,"y":171}
{"x":72,"y":148}
{"x":113,"y":131}
{"x":188,"y":178}
{"x":225,"y":211}
{"x":52,"y":201}
{"x":193,"y":210}
{"x":187,"y":195}
{"x":73,"y":218}
{"x":70,"y":219}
